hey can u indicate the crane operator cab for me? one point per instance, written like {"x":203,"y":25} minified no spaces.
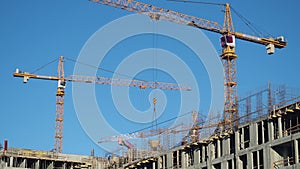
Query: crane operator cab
{"x":61,"y":84}
{"x":228,"y":40}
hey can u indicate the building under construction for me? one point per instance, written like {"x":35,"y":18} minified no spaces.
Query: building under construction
{"x":15,"y":158}
{"x":258,"y":131}
{"x":267,"y":136}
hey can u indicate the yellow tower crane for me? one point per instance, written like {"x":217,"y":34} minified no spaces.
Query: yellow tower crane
{"x":228,"y":36}
{"x":87,"y":79}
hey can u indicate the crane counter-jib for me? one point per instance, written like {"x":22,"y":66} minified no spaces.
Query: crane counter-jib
{"x":278,"y":42}
{"x":27,"y":76}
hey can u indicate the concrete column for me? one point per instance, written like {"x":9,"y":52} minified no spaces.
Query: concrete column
{"x":50,"y":166}
{"x":3,"y":163}
{"x":11,"y":162}
{"x":267,"y":157}
{"x":226,"y":146}
{"x":203,"y":154}
{"x":255,"y":127}
{"x":279,"y":127}
{"x":159,"y":162}
{"x":250,"y":160}
{"x":237,"y":148}
{"x":23,"y":164}
{"x":178,"y":159}
{"x":238,"y":163}
{"x":169,"y":159}
{"x":209,"y":154}
{"x":242,"y":139}
{"x":237,"y":140}
{"x":262,"y":131}
{"x":271,"y":130}
{"x":184,"y":157}
{"x":37,"y":164}
{"x":253,"y":134}
{"x":64,"y":165}
{"x":210,"y":151}
{"x":224,"y":165}
{"x":197,"y":156}
{"x":153,"y":165}
{"x":296,"y":151}
{"x":218,"y":149}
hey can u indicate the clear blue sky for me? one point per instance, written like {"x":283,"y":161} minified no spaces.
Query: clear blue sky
{"x":34,"y":33}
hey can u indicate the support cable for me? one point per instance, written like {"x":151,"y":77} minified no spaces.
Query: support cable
{"x":106,"y":70}
{"x":198,"y":2}
{"x":249,"y":24}
{"x":43,"y":66}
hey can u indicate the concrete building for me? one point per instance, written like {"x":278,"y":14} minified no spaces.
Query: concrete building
{"x":267,"y":137}
{"x":269,"y":142}
{"x":15,"y":158}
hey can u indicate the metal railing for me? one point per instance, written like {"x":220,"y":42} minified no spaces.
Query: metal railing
{"x":284,"y":162}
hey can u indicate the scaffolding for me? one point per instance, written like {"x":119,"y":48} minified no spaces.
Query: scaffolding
{"x":260,"y":102}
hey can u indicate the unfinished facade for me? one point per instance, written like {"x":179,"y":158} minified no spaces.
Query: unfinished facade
{"x":267,"y":137}
{"x":268,"y":142}
{"x":15,"y":158}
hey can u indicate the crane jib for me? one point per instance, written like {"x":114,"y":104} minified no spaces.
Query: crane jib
{"x":159,"y":13}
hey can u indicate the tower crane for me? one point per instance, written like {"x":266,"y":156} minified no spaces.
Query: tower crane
{"x":134,"y":135}
{"x":153,"y":132}
{"x":61,"y":79}
{"x":228,"y":36}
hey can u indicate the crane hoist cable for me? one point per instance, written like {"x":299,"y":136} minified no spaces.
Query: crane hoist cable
{"x":155,"y":40}
{"x":154,"y":122}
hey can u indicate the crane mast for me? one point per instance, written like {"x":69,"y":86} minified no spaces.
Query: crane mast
{"x":60,"y":93}
{"x":228,"y":36}
{"x":229,"y":57}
